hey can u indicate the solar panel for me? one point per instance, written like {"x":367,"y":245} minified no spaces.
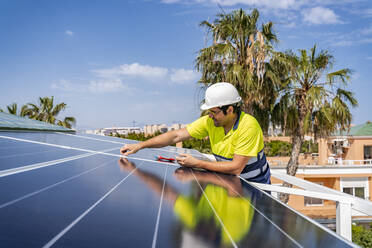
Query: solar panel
{"x":92,"y":198}
{"x":13,"y":122}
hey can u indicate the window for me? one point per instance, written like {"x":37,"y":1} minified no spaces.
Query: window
{"x":310,"y":201}
{"x":355,"y":191}
{"x":355,"y":186}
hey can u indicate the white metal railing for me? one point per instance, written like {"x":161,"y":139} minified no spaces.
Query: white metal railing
{"x":350,"y":162}
{"x":344,"y":202}
{"x":277,"y":163}
{"x":330,"y":162}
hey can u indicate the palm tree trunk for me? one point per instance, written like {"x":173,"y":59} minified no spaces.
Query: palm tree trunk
{"x":293,"y":162}
{"x":295,"y":153}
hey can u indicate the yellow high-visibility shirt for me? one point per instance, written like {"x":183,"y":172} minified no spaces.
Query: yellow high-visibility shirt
{"x":245,"y":138}
{"x":236,"y":213}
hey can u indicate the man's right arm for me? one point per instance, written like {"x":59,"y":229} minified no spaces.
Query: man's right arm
{"x":162,"y":140}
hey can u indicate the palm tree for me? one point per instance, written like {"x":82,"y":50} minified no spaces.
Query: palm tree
{"x":46,"y":111}
{"x":67,"y":122}
{"x":239,"y":55}
{"x":311,"y":101}
{"x":13,"y":109}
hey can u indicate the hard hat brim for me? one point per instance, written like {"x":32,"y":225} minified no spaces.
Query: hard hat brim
{"x":206,"y":106}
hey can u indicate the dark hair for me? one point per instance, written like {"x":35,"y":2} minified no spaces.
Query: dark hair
{"x":236,"y":107}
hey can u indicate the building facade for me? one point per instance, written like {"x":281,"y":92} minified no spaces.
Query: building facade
{"x":343,"y":164}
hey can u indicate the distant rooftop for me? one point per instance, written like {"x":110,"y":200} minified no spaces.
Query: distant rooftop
{"x":13,"y":122}
{"x":358,"y":130}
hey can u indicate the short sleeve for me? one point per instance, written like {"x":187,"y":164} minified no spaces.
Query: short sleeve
{"x":249,"y":141}
{"x":199,"y":128}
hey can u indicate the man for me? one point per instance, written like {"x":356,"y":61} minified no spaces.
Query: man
{"x":236,"y":137}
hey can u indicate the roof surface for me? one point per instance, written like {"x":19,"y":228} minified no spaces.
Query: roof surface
{"x":358,"y":130}
{"x":14,"y":122}
{"x":361,"y":130}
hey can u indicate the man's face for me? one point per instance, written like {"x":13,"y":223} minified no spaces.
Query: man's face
{"x":217,"y":116}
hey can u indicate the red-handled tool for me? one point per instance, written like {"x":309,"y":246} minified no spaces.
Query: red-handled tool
{"x":163,"y":159}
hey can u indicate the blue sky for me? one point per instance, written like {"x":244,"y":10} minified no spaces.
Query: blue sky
{"x":115,"y":62}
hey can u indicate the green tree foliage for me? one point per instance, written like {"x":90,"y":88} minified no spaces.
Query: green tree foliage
{"x":202,"y":146}
{"x":309,"y":146}
{"x":362,"y":236}
{"x":46,"y":110}
{"x":239,"y":55}
{"x":312,"y":99}
{"x":13,"y":109}
{"x":135,"y":136}
{"x":277,"y":148}
{"x":282,"y":148}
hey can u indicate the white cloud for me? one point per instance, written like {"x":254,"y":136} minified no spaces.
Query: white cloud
{"x":149,"y":73}
{"x":356,"y":37}
{"x":134,"y":70}
{"x":320,"y":15}
{"x":367,"y":12}
{"x":101,"y":86}
{"x":344,"y":43}
{"x":69,"y":32}
{"x":290,"y":25}
{"x":106,"y":86}
{"x":110,"y":80}
{"x":367,"y":31}
{"x":279,"y":4}
{"x":170,"y":1}
{"x":183,"y":76}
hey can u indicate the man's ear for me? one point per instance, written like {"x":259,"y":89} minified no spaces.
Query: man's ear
{"x":230,"y":109}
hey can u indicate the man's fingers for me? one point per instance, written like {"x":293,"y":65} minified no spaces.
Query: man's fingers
{"x":180,"y":160}
{"x":128,"y":149}
{"x":123,"y":149}
{"x":128,"y":152}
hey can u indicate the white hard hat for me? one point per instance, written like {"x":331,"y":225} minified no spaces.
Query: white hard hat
{"x":220,"y":94}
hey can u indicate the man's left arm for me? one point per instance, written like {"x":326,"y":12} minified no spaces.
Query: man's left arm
{"x":234,"y":167}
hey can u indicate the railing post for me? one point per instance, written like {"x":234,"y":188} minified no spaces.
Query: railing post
{"x":343,"y":220}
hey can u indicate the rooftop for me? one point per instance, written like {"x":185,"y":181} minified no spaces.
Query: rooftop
{"x":358,"y":130}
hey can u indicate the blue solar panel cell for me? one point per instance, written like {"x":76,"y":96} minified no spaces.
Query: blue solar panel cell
{"x":32,"y":154}
{"x":36,"y":181}
{"x":124,"y":218}
{"x":58,"y":140}
{"x":39,"y":218}
{"x":170,"y":149}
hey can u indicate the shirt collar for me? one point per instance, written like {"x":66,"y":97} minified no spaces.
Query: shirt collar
{"x":237,"y":122}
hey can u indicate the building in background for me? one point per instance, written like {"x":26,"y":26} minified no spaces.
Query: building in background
{"x":114,"y":130}
{"x":162,"y":128}
{"x":147,"y":130}
{"x":353,"y":147}
{"x":343,"y":163}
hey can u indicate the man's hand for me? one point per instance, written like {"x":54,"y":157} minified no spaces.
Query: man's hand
{"x":187,"y":160}
{"x":130,"y":149}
